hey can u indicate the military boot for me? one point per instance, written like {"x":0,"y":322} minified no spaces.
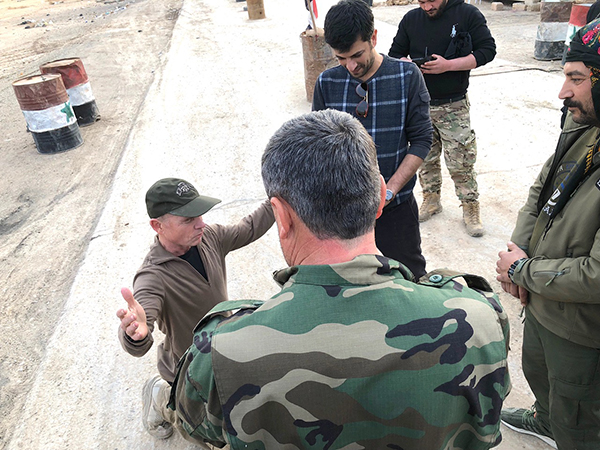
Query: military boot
{"x":151,"y":416}
{"x":431,"y":205}
{"x":471,"y":218}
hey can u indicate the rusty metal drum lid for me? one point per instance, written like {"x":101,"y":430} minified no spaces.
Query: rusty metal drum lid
{"x":39,"y":92}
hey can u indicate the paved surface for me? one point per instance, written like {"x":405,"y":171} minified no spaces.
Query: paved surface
{"x":227,"y":85}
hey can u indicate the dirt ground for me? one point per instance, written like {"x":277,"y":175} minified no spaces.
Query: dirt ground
{"x":51,"y":208}
{"x":50,"y":203}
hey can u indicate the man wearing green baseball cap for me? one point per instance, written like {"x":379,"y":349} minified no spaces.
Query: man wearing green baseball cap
{"x":182,"y":277}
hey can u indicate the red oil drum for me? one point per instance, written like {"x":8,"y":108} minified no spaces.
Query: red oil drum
{"x":576,"y":21}
{"x":78,"y":87}
{"x":50,"y":118}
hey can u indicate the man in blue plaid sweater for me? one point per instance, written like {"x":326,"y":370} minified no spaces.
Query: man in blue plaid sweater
{"x":391,"y":100}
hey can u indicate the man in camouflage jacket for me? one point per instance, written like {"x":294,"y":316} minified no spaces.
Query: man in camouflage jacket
{"x":350,"y":353}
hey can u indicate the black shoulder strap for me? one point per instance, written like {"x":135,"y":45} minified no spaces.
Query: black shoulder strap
{"x":565,"y":141}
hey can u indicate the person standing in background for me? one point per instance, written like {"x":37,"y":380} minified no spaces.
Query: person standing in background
{"x":446,"y":39}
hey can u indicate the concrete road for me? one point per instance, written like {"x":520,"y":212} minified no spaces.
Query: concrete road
{"x":226,"y":85}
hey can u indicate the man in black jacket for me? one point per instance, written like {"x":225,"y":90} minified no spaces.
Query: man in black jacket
{"x":448,"y":38}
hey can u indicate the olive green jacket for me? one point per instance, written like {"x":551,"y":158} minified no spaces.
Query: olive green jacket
{"x":563,"y":274}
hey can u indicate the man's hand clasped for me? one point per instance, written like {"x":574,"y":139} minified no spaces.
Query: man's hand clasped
{"x":506,"y":259}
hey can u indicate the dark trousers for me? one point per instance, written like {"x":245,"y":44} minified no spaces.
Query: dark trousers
{"x":565,"y":379}
{"x":398,"y":237}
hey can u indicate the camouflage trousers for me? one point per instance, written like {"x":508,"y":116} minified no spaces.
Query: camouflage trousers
{"x":452,"y":132}
{"x":162,"y":400}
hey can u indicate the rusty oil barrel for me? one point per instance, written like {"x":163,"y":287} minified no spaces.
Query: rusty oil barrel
{"x":78,"y":87}
{"x":50,"y":118}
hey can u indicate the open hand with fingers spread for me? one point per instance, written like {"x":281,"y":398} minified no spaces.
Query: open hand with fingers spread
{"x":133,"y":319}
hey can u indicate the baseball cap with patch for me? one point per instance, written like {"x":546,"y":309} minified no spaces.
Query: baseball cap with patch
{"x":178,"y":197}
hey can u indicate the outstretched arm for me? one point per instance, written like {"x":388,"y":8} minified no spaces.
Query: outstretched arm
{"x":133,"y":319}
{"x":248,"y":230}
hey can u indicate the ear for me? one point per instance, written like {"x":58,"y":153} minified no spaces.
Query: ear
{"x":281,"y":211}
{"x":382,"y":190}
{"x":374,"y":38}
{"x":156,"y":225}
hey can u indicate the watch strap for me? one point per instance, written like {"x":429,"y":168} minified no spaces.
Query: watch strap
{"x":515,"y":267}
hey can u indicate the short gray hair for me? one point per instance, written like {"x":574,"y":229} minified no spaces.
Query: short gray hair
{"x":324,"y":165}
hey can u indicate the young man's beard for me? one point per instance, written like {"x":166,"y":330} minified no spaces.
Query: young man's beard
{"x":367,"y":67}
{"x":439,"y":11}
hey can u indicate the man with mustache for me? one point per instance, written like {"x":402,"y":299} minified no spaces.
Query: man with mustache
{"x":552,"y":265}
{"x":390,"y":99}
{"x":182,"y":277}
{"x":448,"y":38}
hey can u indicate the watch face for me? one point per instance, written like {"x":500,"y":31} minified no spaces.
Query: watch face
{"x":388,"y":195}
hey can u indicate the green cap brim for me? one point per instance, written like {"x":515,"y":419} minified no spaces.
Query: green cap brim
{"x":197,"y":207}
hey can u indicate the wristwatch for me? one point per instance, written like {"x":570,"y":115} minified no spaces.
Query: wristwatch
{"x":514,"y":266}
{"x":389,"y":195}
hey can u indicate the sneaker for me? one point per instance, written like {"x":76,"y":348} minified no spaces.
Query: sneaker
{"x":151,"y":417}
{"x":523,"y":421}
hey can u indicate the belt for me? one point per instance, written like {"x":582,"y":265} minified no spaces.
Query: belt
{"x":443,"y":101}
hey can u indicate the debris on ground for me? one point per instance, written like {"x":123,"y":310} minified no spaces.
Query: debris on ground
{"x":32,"y":23}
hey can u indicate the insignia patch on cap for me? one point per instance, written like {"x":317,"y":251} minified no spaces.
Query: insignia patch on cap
{"x":182,"y":188}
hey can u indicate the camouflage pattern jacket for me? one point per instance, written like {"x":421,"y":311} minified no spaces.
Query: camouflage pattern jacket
{"x":349,"y":356}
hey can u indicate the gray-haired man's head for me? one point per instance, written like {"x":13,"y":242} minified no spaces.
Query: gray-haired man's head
{"x":324,"y":165}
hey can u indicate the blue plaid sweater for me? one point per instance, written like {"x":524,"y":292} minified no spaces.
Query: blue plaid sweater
{"x":398,"y":117}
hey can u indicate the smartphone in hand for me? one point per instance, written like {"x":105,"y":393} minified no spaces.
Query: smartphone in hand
{"x":419,"y":61}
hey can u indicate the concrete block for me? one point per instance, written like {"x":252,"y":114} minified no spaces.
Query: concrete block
{"x":497,"y":6}
{"x":532,"y":2}
{"x":533,"y":8}
{"x":518,"y":6}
